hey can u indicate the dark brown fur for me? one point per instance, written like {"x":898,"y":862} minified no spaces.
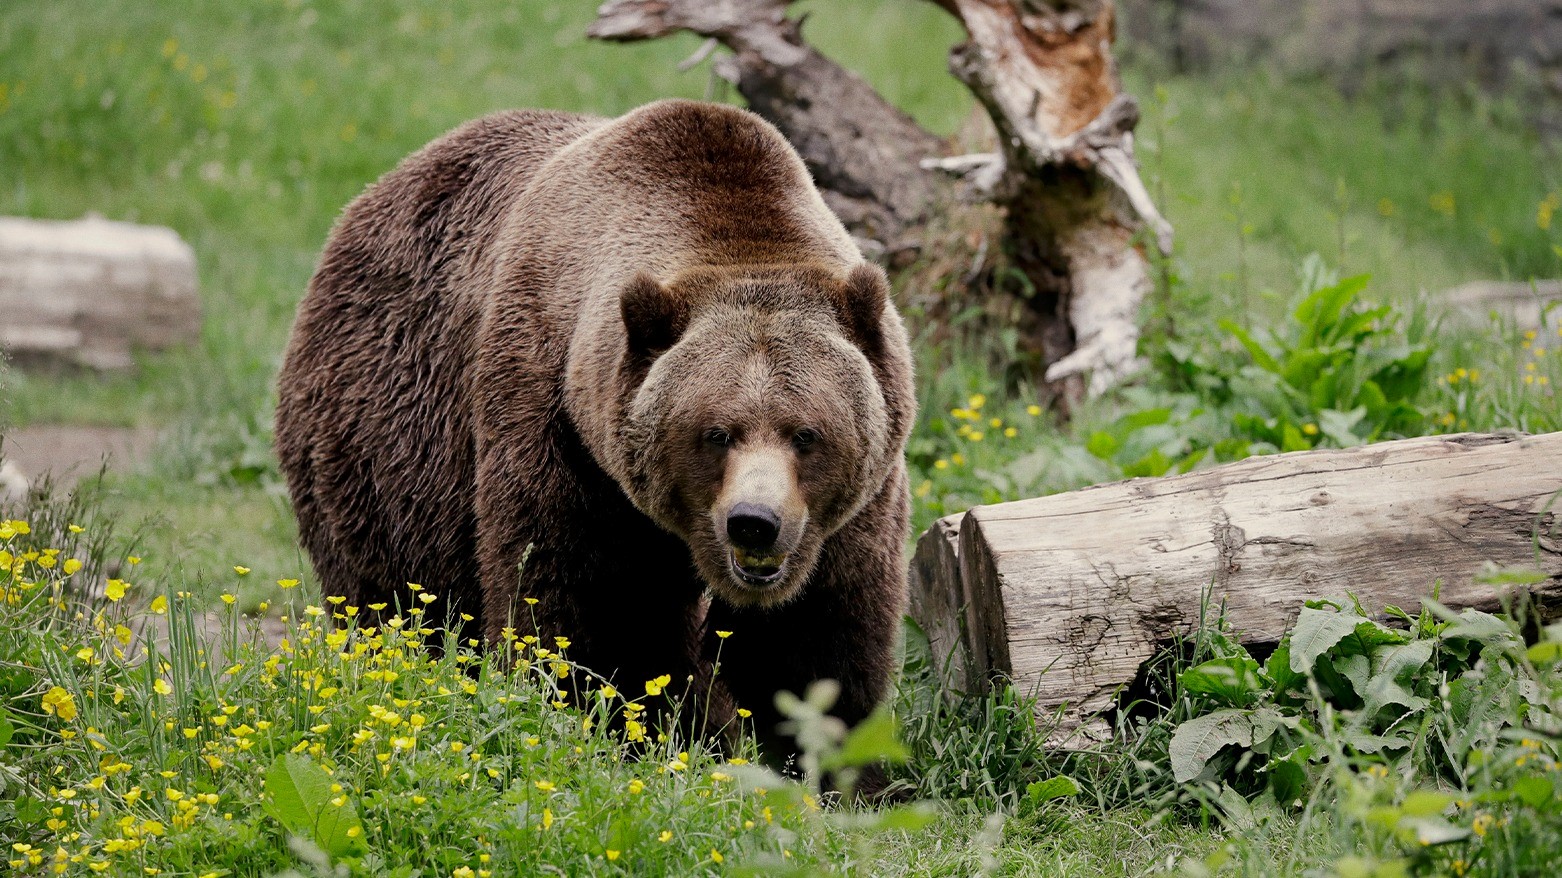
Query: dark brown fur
{"x":513,"y":345}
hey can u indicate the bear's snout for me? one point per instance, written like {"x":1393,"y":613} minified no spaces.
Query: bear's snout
{"x":753,"y":528}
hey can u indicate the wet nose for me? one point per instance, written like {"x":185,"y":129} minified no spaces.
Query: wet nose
{"x":753,"y":527}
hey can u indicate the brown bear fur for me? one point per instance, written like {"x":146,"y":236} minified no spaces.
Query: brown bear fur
{"x":581,"y":341}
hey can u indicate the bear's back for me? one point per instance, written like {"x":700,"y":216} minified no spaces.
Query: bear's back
{"x":372,"y":430}
{"x":678,"y":184}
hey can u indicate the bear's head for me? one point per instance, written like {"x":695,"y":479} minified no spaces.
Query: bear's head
{"x":767,"y":406}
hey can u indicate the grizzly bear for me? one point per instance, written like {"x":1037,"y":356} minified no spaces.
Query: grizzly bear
{"x":632,"y":370}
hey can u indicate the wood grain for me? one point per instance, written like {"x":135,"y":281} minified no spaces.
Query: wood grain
{"x":1069,"y":595}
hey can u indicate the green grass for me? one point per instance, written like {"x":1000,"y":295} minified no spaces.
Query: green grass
{"x":247,"y":126}
{"x":212,"y":752}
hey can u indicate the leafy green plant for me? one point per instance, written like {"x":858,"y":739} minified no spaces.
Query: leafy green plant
{"x":1440,"y":741}
{"x":137,"y":732}
{"x":1336,"y":370}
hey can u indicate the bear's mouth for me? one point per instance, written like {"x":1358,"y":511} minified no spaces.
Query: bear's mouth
{"x":757,"y":569}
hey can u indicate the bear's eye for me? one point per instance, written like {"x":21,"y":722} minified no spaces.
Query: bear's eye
{"x":804,"y":439}
{"x":718,"y":437}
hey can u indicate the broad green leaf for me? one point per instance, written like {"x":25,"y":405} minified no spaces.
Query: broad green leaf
{"x":1374,"y":401}
{"x":1428,"y":831}
{"x":1480,"y":627}
{"x":1363,"y":742}
{"x":1235,"y":808}
{"x":1153,"y":464}
{"x":1546,"y":652}
{"x":872,"y":740}
{"x":1425,"y":803}
{"x":1233,"y":681}
{"x":1136,"y":421}
{"x":1197,"y":741}
{"x":1278,"y":669}
{"x":301,"y":800}
{"x":1534,"y":790}
{"x":1382,"y":692}
{"x":1102,"y":444}
{"x":1355,"y":668}
{"x":1255,"y":350}
{"x":1401,"y":660}
{"x":906,"y":818}
{"x":1316,"y":632}
{"x":1060,"y":787}
{"x":1292,"y":438}
{"x":1340,"y":427}
{"x":1288,"y":777}
{"x":1305,"y":368}
{"x":7,"y":728}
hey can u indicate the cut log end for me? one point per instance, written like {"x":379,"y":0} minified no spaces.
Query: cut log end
{"x":1068,"y":596}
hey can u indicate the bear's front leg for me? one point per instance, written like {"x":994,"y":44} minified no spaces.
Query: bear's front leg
{"x":843,"y":626}
{"x":564,"y":554}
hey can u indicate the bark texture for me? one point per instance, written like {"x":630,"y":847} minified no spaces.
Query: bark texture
{"x":1070,"y":595}
{"x":1064,"y":170}
{"x":1066,"y":173}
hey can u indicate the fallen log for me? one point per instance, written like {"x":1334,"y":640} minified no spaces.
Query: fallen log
{"x":90,"y":292}
{"x":1068,"y":596}
{"x":1530,"y":305}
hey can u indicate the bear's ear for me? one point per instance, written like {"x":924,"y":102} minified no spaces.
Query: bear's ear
{"x":860,"y":304}
{"x":654,"y":318}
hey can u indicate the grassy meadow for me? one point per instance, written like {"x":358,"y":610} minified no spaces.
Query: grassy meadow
{"x":1294,"y":314}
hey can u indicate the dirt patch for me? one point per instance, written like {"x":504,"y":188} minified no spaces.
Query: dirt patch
{"x":71,"y":452}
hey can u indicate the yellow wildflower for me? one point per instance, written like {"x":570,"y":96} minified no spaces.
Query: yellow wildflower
{"x":58,"y":702}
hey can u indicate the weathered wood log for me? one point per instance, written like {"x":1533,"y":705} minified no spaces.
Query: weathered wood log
{"x":90,"y":292}
{"x":1533,"y":305}
{"x":1068,"y":596}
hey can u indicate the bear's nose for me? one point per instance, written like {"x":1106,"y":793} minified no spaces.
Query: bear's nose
{"x":753,"y":527}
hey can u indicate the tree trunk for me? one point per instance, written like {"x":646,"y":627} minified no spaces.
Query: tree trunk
{"x":1069,"y":595}
{"x":1064,"y":172}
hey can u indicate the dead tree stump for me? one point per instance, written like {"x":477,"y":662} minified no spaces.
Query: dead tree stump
{"x":1068,"y":596}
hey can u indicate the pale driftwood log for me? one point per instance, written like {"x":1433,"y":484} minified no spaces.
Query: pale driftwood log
{"x":1065,"y":172}
{"x":87,"y":293}
{"x":1533,"y":305}
{"x":1069,"y":595}
{"x":13,"y":486}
